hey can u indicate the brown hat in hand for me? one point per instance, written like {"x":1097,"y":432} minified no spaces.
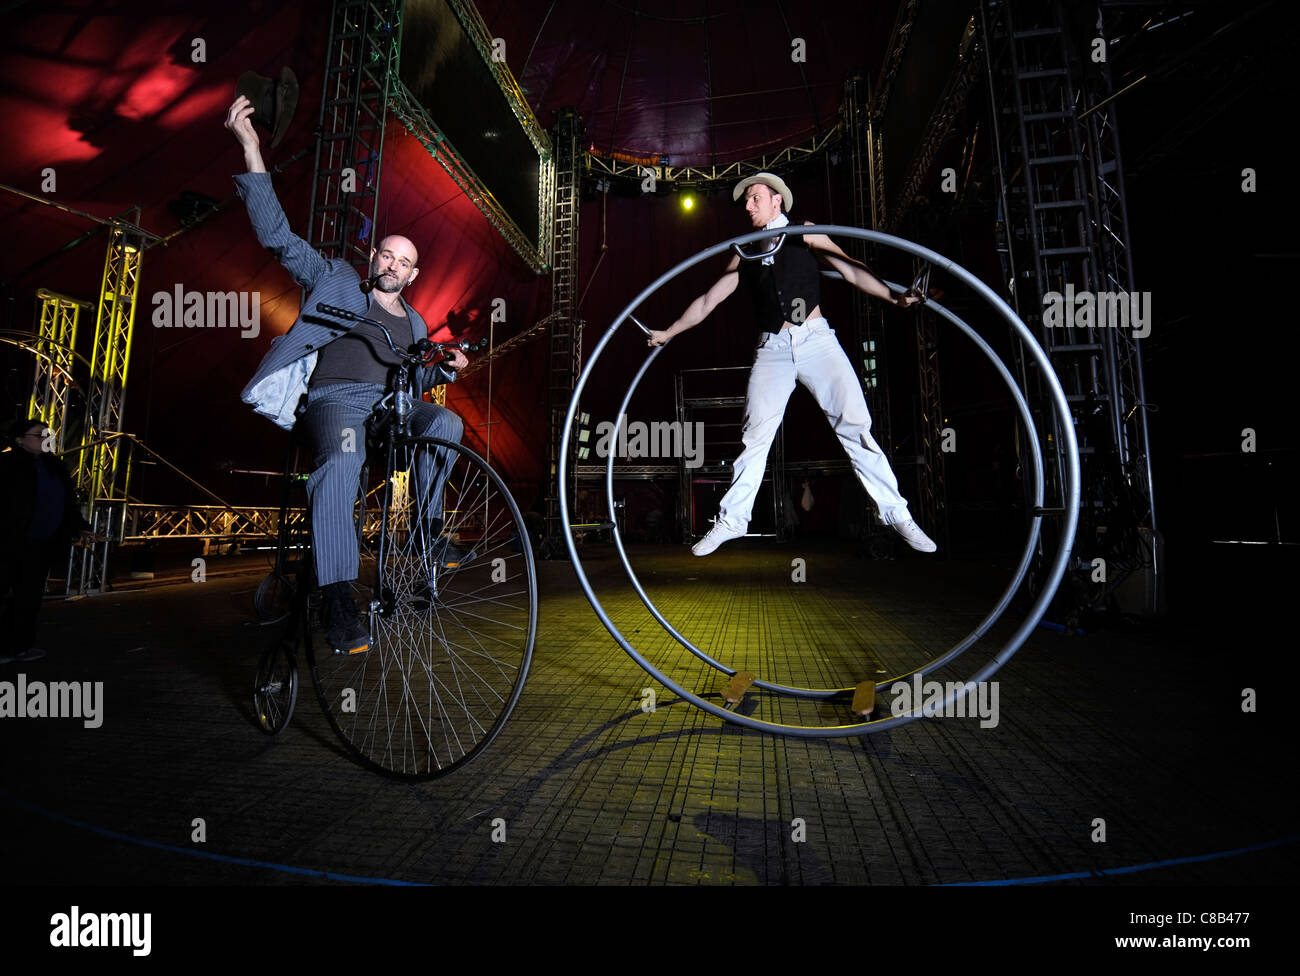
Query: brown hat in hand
{"x":274,"y":102}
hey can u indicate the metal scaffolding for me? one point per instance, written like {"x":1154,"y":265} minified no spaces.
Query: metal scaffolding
{"x":716,"y":175}
{"x":716,"y":398}
{"x":104,"y":465}
{"x":566,"y":328}
{"x":421,"y":124}
{"x":1101,"y":151}
{"x":418,"y":121}
{"x":931,"y":480}
{"x":869,"y":358}
{"x":963,"y":78}
{"x":1064,"y":234}
{"x":55,"y":345}
{"x":360,"y":71}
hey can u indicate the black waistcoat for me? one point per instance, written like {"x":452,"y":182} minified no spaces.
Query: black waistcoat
{"x":775,"y":287}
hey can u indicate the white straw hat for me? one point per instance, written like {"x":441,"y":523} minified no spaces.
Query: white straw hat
{"x":770,"y":180}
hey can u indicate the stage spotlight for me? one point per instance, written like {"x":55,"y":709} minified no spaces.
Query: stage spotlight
{"x":688,"y":201}
{"x":191,"y":207}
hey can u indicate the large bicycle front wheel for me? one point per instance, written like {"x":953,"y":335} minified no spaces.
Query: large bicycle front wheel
{"x":448,"y":589}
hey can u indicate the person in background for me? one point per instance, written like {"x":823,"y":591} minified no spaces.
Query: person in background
{"x":39,"y":516}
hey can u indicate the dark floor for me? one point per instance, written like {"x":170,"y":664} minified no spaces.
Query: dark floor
{"x":1143,"y":731}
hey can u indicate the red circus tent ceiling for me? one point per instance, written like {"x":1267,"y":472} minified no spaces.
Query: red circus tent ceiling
{"x":111,"y":98}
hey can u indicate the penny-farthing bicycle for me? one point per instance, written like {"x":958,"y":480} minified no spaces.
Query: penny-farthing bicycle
{"x":449,"y":597}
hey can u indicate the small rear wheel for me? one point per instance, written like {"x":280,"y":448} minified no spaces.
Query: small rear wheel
{"x":274,"y":597}
{"x":275,"y":689}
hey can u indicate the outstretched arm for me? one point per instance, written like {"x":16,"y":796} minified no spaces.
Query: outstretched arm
{"x":699,"y":309}
{"x":854,"y":271}
{"x":269,"y":222}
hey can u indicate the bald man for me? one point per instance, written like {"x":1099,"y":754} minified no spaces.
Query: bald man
{"x":341,"y":374}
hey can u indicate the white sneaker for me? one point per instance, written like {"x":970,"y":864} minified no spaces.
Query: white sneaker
{"x":913,"y":536}
{"x":716,"y":537}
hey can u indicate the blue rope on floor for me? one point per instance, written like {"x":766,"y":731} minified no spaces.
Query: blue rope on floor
{"x":243,"y":861}
{"x":1132,"y":869}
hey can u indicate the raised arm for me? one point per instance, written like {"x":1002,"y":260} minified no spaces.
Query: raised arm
{"x":264,"y":211}
{"x":699,"y":309}
{"x":854,"y":271}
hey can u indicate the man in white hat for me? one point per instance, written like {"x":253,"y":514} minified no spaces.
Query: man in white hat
{"x":796,"y":344}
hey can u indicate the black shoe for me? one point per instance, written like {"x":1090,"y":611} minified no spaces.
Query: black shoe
{"x":425,"y":596}
{"x":343,"y":627}
{"x":451,"y":556}
{"x":444,"y":552}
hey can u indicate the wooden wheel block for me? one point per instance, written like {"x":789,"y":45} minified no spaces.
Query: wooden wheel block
{"x":864,"y":698}
{"x":735,"y":690}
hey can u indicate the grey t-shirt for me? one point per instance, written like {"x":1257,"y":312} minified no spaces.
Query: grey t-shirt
{"x":362,"y":356}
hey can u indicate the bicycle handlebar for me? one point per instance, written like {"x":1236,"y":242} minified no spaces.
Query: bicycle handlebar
{"x":422,"y":348}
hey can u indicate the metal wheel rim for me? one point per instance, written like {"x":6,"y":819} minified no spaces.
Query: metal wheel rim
{"x":527,"y":630}
{"x":1057,"y":564}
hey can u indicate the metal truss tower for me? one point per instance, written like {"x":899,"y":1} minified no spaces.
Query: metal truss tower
{"x":932,"y":481}
{"x":104,"y":469}
{"x":1064,"y":233}
{"x":1130,"y":457}
{"x":56,"y":340}
{"x":863,"y":138}
{"x":360,"y":72}
{"x":566,"y":329}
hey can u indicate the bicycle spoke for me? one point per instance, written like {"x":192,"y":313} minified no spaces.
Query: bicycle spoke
{"x":450,"y":645}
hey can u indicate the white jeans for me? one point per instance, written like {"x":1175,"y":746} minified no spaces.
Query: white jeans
{"x":810,"y":354}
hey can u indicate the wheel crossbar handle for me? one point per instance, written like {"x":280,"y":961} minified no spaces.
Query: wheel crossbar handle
{"x":921,"y":283}
{"x":758,"y":255}
{"x":1071,"y":485}
{"x":639,"y":324}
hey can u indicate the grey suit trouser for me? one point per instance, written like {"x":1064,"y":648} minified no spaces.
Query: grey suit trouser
{"x":335,"y":421}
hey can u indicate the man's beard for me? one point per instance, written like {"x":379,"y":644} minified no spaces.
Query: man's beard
{"x":386,"y":282}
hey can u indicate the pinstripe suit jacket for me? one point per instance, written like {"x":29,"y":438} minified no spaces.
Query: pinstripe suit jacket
{"x":281,"y":379}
